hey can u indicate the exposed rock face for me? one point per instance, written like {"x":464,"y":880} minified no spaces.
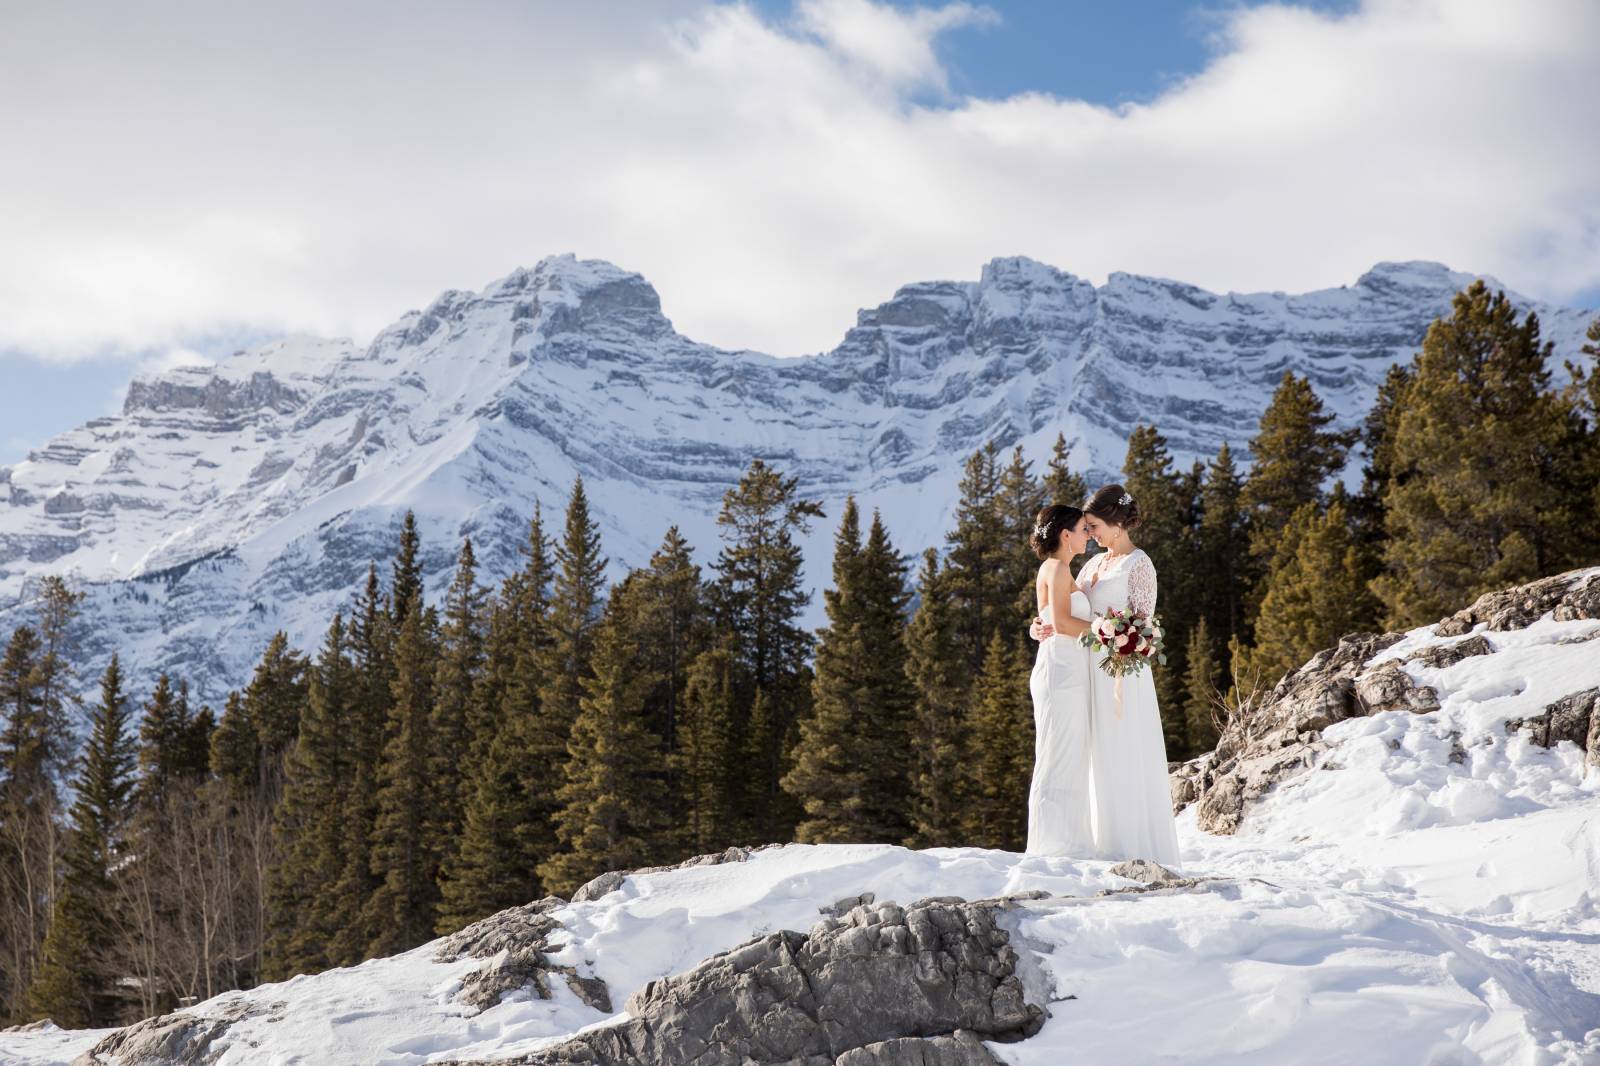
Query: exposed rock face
{"x":1281,"y":734}
{"x":176,"y":1039}
{"x":1568,"y":596}
{"x":881,"y":984}
{"x":513,"y":941}
{"x":1575,"y":717}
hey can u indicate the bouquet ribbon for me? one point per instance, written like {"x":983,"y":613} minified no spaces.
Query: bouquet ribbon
{"x":1116,"y":690}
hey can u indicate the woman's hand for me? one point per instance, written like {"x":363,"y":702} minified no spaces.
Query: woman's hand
{"x":1041,"y":630}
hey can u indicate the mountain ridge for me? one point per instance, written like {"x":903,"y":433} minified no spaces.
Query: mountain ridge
{"x":233,"y":499}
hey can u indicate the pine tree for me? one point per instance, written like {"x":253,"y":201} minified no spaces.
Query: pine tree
{"x":1222,"y":557}
{"x":861,"y":698}
{"x":757,"y":599}
{"x":461,"y":658}
{"x":1019,"y":501}
{"x":668,"y":601}
{"x":309,"y":821}
{"x":1292,"y":454}
{"x":406,"y":587}
{"x":509,"y":798}
{"x":981,"y":548}
{"x":1002,"y":749}
{"x":23,"y":763}
{"x":941,"y":778}
{"x":76,"y":983}
{"x":163,"y":742}
{"x":1061,"y":483}
{"x":55,"y":679}
{"x":1315,"y":594}
{"x":1201,"y":682}
{"x":371,"y":650}
{"x":567,"y":659}
{"x":405,"y":857}
{"x":705,"y":762}
{"x":1480,"y":494}
{"x":273,"y":701}
{"x":613,"y":790}
{"x":494,"y":867}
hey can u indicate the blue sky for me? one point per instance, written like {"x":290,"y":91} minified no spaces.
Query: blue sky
{"x":252,"y":180}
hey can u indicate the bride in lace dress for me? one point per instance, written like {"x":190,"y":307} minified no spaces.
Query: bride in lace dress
{"x":1130,"y":799}
{"x":1058,"y":797}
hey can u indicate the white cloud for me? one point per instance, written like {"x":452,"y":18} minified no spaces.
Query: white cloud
{"x":176,"y":171}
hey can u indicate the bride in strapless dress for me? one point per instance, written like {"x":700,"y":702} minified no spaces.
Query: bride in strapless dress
{"x":1059,"y":821}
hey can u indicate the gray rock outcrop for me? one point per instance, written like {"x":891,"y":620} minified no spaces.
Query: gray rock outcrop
{"x":883,"y":984}
{"x":1575,"y":717}
{"x":513,"y":942}
{"x":1280,"y":734}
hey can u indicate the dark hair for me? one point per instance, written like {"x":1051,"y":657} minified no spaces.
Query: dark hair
{"x":1048,"y":525}
{"x":1115,"y":505}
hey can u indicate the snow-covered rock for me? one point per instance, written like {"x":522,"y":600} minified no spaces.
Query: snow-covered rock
{"x":232,"y":500}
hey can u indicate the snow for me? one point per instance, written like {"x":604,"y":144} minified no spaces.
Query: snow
{"x":1388,"y":905}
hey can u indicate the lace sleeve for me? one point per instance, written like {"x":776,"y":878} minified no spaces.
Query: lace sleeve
{"x":1142,"y":584}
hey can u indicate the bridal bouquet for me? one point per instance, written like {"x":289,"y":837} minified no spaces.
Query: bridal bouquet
{"x":1129,"y":639}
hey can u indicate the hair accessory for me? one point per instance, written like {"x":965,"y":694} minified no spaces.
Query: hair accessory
{"x":1126,"y":499}
{"x":1041,"y":532}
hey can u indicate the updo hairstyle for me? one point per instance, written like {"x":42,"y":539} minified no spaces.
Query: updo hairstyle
{"x":1115,"y":506}
{"x":1048,"y":525}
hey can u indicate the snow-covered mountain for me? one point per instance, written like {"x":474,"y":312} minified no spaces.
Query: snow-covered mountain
{"x":232,"y":500}
{"x":1421,"y":887}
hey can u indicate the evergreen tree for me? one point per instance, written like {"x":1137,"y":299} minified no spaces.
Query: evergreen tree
{"x":705,"y":762}
{"x":272,"y":702}
{"x":613,"y":789}
{"x":1293,"y":453}
{"x":506,"y":827}
{"x":980,"y":548}
{"x":861,"y":698}
{"x":567,"y":660}
{"x":309,"y":821}
{"x":1201,"y":686}
{"x":1315,"y":595}
{"x":494,"y":867}
{"x":941,"y":780}
{"x":1002,"y":749}
{"x":1061,"y":483}
{"x":461,"y":658}
{"x":371,"y":651}
{"x":757,"y":601}
{"x":23,"y":762}
{"x":405,"y":857}
{"x":1019,"y":501}
{"x":668,"y":602}
{"x":1223,"y":557}
{"x":406,"y":586}
{"x":76,"y":983}
{"x":1480,"y":494}
{"x":164,"y":736}
{"x":55,"y":680}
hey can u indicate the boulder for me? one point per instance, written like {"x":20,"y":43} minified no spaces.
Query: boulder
{"x":1439,"y":656}
{"x":1575,"y":717}
{"x":513,"y":943}
{"x":177,"y":1039}
{"x":1387,"y":687}
{"x":882,"y":983}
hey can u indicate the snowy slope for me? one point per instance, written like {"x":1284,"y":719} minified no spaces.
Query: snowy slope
{"x":1389,"y":905}
{"x":229,"y":501}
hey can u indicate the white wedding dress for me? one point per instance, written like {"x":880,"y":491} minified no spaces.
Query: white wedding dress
{"x":1131,"y":803}
{"x":1058,"y":799}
